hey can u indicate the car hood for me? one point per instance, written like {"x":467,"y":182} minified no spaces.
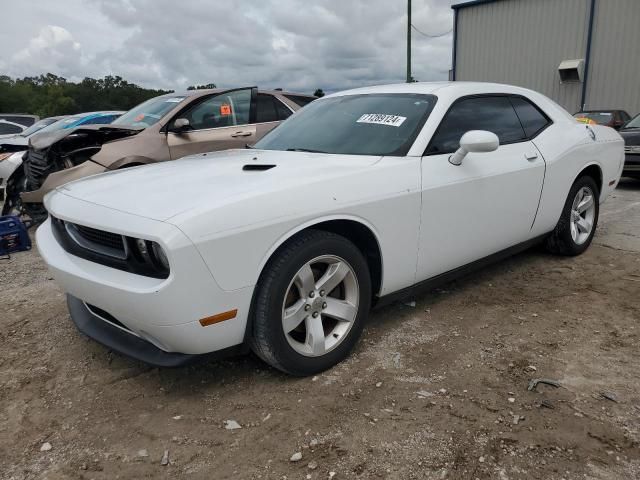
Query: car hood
{"x":198,"y":183}
{"x":15,"y":141}
{"x":42,"y":140}
{"x":631,"y":136}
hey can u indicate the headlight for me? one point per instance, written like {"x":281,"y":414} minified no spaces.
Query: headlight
{"x":151,"y":254}
{"x":161,"y":257}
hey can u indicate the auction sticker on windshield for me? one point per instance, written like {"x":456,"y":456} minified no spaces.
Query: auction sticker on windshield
{"x":382,"y":119}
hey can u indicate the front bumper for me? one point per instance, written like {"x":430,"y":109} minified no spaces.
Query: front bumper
{"x":162,"y":312}
{"x":119,"y":340}
{"x":60,"y":178}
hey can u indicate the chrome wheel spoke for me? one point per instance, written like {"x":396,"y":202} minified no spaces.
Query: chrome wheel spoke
{"x":304,"y":280}
{"x":585,"y":203}
{"x":333,"y":277}
{"x":340,"y":310}
{"x":574,"y":231}
{"x":583,"y":225}
{"x":315,"y":335}
{"x":294,"y":316}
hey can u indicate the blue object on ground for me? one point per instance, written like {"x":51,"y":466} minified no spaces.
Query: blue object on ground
{"x":13,"y":235}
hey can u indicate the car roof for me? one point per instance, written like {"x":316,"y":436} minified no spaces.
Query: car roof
{"x":209,"y":91}
{"x":451,"y":88}
{"x":97,"y":114}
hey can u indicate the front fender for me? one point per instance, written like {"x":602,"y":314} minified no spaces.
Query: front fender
{"x":310,"y":224}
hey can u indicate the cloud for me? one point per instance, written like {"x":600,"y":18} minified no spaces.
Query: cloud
{"x":329,"y":44}
{"x":52,"y":50}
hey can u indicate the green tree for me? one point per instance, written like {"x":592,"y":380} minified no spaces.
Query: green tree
{"x":208,"y":86}
{"x":318,"y":93}
{"x":49,"y":95}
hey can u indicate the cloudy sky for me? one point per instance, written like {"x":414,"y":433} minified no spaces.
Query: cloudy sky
{"x":299,"y":45}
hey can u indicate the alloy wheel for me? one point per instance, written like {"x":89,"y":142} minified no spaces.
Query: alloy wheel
{"x":583,"y":213}
{"x":320,"y":305}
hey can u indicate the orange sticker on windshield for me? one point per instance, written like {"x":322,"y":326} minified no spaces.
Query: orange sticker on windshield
{"x":225,"y":109}
{"x":139,"y":118}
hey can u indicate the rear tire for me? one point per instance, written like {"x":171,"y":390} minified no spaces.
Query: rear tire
{"x":577,"y":225}
{"x":310,"y":303}
{"x":15,"y":185}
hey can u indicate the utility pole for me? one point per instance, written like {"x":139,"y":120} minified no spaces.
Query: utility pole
{"x":409,"y":77}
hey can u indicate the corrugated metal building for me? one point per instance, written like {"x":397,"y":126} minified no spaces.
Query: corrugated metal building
{"x":578,"y":52}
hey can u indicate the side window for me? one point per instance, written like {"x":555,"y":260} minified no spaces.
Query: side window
{"x":494,"y":114}
{"x":223,"y":110}
{"x":9,"y":128}
{"x":532,"y":119}
{"x":266,"y":109}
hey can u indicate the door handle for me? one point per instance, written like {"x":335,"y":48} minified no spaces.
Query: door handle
{"x":531,"y":156}
{"x":241,"y":134}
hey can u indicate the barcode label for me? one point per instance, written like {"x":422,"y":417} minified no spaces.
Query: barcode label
{"x":382,"y":119}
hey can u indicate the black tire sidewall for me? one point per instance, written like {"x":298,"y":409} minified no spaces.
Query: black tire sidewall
{"x":274,"y":285}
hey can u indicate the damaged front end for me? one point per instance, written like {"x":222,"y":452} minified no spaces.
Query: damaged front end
{"x":60,"y":157}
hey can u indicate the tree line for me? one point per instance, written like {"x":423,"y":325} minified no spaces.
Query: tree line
{"x":49,"y":95}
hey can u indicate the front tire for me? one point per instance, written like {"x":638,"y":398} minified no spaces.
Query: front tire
{"x":577,"y":225}
{"x":311,"y":303}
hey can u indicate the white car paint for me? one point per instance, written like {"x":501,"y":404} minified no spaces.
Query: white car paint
{"x":9,"y":165}
{"x":219,"y":224}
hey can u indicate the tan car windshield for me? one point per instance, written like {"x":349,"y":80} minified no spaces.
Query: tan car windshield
{"x":148,"y":113}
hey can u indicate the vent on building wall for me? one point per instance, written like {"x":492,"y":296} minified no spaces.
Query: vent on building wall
{"x":571,"y":71}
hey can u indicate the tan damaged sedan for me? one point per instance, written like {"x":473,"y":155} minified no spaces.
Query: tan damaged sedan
{"x":163,"y":128}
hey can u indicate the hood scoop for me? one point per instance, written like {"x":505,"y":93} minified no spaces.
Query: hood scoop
{"x":256,"y":167}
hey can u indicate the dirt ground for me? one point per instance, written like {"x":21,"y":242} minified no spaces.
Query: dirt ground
{"x":436,"y":390}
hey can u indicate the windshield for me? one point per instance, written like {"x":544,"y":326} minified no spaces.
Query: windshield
{"x":148,"y":113}
{"x":37,"y":127}
{"x":634,"y":123}
{"x":376,"y":124}
{"x":601,"y":118}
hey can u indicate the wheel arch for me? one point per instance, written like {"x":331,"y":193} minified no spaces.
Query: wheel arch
{"x":358,"y":230}
{"x":131,"y":161}
{"x":593,"y":170}
{"x":352,"y":227}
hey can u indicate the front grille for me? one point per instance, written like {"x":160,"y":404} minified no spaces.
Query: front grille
{"x":100,"y":237}
{"x":632,"y":149}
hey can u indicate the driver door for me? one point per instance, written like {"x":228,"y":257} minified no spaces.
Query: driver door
{"x":217,"y":122}
{"x":486,"y":204}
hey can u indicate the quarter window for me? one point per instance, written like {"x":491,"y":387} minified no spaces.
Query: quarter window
{"x":300,"y":100}
{"x":495,"y":114}
{"x":223,"y":110}
{"x":532,"y":119}
{"x":266,"y":109}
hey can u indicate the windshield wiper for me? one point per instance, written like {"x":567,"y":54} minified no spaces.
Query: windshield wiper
{"x":308,"y":150}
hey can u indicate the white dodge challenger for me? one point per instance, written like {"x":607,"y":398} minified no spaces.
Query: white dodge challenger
{"x":360,"y":197}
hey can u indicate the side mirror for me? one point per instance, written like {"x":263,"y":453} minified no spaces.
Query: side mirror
{"x":475,"y":141}
{"x":181,"y":125}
